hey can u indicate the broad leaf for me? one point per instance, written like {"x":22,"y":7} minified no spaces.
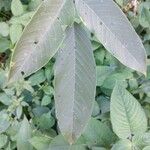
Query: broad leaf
{"x":98,"y":133}
{"x":40,"y":142}
{"x":142,"y":140}
{"x":127,"y":116}
{"x":3,"y":140}
{"x":75,"y":83}
{"x":122,"y":145}
{"x":59,"y":143}
{"x":147,"y":148}
{"x":24,"y":135}
{"x":40,"y":40}
{"x":111,"y":27}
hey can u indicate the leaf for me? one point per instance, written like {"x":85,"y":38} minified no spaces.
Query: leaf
{"x":142,"y":140}
{"x":122,"y":145}
{"x":127,"y":116}
{"x":45,"y":121}
{"x":5,"y":99}
{"x":4,"y":29}
{"x":111,"y":27}
{"x":4,"y":44}
{"x":37,"y":78}
{"x":4,"y":122}
{"x":24,"y":135}
{"x":75,"y":83}
{"x":40,"y":41}
{"x":3,"y":140}
{"x":98,"y":133}
{"x":15,"y":32}
{"x":46,"y":100}
{"x":59,"y":143}
{"x":17,"y":7}
{"x":40,"y":142}
{"x":102,"y":73}
{"x":147,"y":148}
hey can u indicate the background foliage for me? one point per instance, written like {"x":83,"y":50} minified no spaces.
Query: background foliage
{"x":33,"y":97}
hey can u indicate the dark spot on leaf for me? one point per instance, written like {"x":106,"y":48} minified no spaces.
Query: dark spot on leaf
{"x":22,"y":72}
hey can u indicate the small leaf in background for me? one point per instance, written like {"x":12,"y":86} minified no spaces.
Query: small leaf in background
{"x":127,"y":116}
{"x":40,"y":142}
{"x":5,"y":99}
{"x":46,"y":100}
{"x":121,"y":76}
{"x":23,"y":19}
{"x":3,"y":140}
{"x":15,"y":32}
{"x":4,"y":44}
{"x":37,"y":78}
{"x":4,"y":29}
{"x":98,"y":133}
{"x":123,"y":145}
{"x":45,"y":121}
{"x":17,"y":7}
{"x":59,"y":143}
{"x":102,"y":73}
{"x":24,"y":135}
{"x":144,"y":12}
{"x":142,"y":140}
{"x":4,"y":122}
{"x":146,"y":148}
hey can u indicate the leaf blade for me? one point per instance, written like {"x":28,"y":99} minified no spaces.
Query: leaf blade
{"x":33,"y":50}
{"x":127,"y":116}
{"x":75,"y":83}
{"x":114,"y":31}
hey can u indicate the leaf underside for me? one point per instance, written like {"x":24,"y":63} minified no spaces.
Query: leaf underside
{"x":41,"y":39}
{"x":127,"y":116}
{"x":114,"y":31}
{"x":75,"y":83}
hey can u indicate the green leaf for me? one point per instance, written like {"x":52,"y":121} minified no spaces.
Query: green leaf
{"x":142,"y":140}
{"x":4,"y":122}
{"x":24,"y":135}
{"x":46,"y":100}
{"x":40,"y":41}
{"x":102,"y":73}
{"x":3,"y":140}
{"x":127,"y":116}
{"x":98,"y":133}
{"x":45,"y":121}
{"x":4,"y":29}
{"x":146,"y":148}
{"x":4,"y":44}
{"x":109,"y":24}
{"x":59,"y":143}
{"x":37,"y":78}
{"x":144,"y":17}
{"x":40,"y":142}
{"x":17,"y":7}
{"x":5,"y":99}
{"x":75,"y":83}
{"x":15,"y":32}
{"x":122,"y":145}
